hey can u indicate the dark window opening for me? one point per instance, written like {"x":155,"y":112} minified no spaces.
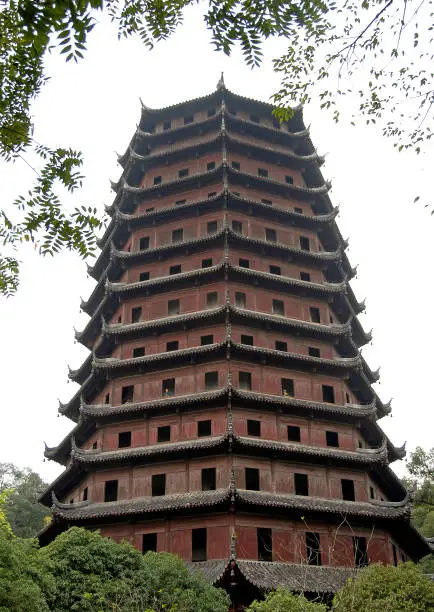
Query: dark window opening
{"x":110,"y":490}
{"x":275,"y":270}
{"x":328,"y":394}
{"x":347,"y":397}
{"x":211,"y":380}
{"x":208,"y":479}
{"x":173,"y":307}
{"x":148,"y":210}
{"x":107,"y":398}
{"x":245,"y":380}
{"x":198,"y":544}
{"x":95,"y":445}
{"x":304,"y":243}
{"x":180,"y":202}
{"x":158,"y":485}
{"x":143,"y":276}
{"x":237,"y":226}
{"x":157,"y":180}
{"x":212,"y":299}
{"x":281,"y":346}
{"x":301,"y":484}
{"x":293,"y":433}
{"x":167,"y":125}
{"x":124,"y":439}
{"x":127,"y":394}
{"x":253,"y":427}
{"x":211,"y":112}
{"x":236,"y":165}
{"x":265,"y":544}
{"x":360,"y":551}
{"x":252,"y":479}
{"x":149,"y":542}
{"x":183,"y":172}
{"x":211,"y":227}
{"x":371,"y":493}
{"x":212,"y":194}
{"x":177,"y":235}
{"x":289,"y":179}
{"x":263,"y":172}
{"x":139,"y":351}
{"x":247,"y":340}
{"x":119,"y":319}
{"x":270,"y":235}
{"x":348,"y":489}
{"x":208,"y":339}
{"x":210,"y":165}
{"x":298,"y":210}
{"x":240,"y":299}
{"x":168,"y":387}
{"x":287,"y":387}
{"x":163,"y":433}
{"x":136,"y":314}
{"x":332,"y":438}
{"x":305,"y":276}
{"x":255,"y":119}
{"x":395,"y":556}
{"x":315,"y":315}
{"x":278,"y":307}
{"x":314,"y":351}
{"x":203,"y":428}
{"x":313,"y":548}
{"x":267,"y":202}
{"x":173,"y":345}
{"x":144,"y":243}
{"x":188,"y":119}
{"x":175,"y":269}
{"x":85,"y":494}
{"x":244,"y":263}
{"x":207,"y":263}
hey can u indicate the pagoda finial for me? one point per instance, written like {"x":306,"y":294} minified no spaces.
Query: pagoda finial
{"x":221,"y":83}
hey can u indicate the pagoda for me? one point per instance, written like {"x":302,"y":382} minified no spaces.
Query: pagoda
{"x":225,"y":413}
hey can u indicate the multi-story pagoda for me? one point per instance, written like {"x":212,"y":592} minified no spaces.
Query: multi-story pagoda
{"x":225,"y":413}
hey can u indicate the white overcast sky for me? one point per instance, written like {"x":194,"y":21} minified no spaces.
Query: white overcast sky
{"x":94,"y":106}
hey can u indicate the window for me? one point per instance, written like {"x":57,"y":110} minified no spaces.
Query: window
{"x":265,"y":544}
{"x":304,"y":243}
{"x":252,"y":479}
{"x":313,"y":548}
{"x":237,"y":226}
{"x":360,"y":551}
{"x":107,"y":398}
{"x":275,"y":270}
{"x":94,"y":445}
{"x":198,"y":544}
{"x":315,"y":315}
{"x":173,"y":345}
{"x":244,"y":263}
{"x":85,"y":494}
{"x":212,"y":194}
{"x":210,"y":165}
{"x":270,"y":235}
{"x":328,"y":394}
{"x":246,"y":339}
{"x":371,"y":493}
{"x":281,"y":346}
{"x":180,"y":202}
{"x":175,"y":269}
{"x":168,"y":387}
{"x":301,"y":484}
{"x":163,"y":433}
{"x":395,"y":556}
{"x":298,"y":210}
{"x":245,"y":380}
{"x":208,"y":479}
{"x":267,"y":202}
{"x":127,"y":394}
{"x":262,"y":172}
{"x":177,"y":235}
{"x":167,"y":125}
{"x":139,"y":351}
{"x":203,"y":428}
{"x":144,"y":243}
{"x":253,"y":427}
{"x":211,"y":227}
{"x":293,"y":433}
{"x":183,"y":172}
{"x":208,"y":339}
{"x":332,"y":438}
{"x":149,"y":542}
{"x":148,"y":210}
{"x":124,"y":439}
{"x":157,"y":180}
{"x":158,"y":485}
{"x":287,"y":387}
{"x":110,"y":490}
{"x":240,"y":299}
{"x":289,"y":179}
{"x":211,"y":112}
{"x":236,"y":165}
{"x":313,"y":351}
{"x":207,"y":263}
{"x":212,"y":299}
{"x":143,"y":276}
{"x":255,"y":119}
{"x":173,"y":307}
{"x":211,"y":380}
{"x":276,"y":124}
{"x":305,"y":276}
{"x":278,"y":307}
{"x":348,"y":489}
{"x":136,"y":314}
{"x":188,"y":119}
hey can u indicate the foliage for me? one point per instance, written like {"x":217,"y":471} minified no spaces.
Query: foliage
{"x":378,"y":588}
{"x":24,"y":514}
{"x":285,"y":601}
